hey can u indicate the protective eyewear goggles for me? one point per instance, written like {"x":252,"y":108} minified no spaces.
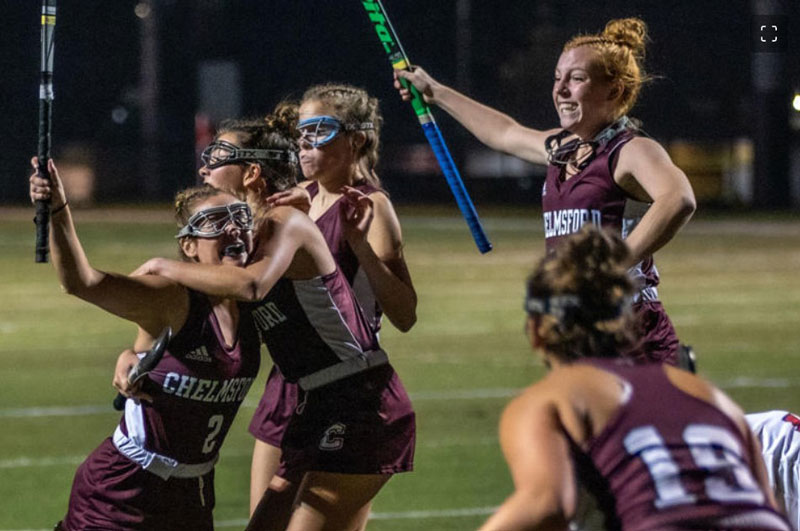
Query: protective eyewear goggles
{"x":211,"y":222}
{"x":320,"y":130}
{"x":220,"y":153}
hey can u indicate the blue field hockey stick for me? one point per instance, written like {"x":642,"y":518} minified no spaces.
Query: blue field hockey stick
{"x":399,"y":59}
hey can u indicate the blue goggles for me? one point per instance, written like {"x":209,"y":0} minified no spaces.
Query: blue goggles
{"x":220,"y":153}
{"x":320,"y":130}
{"x":211,"y":222}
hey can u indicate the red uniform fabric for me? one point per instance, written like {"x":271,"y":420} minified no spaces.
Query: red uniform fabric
{"x":197,"y":389}
{"x":592,"y":196}
{"x":667,"y":460}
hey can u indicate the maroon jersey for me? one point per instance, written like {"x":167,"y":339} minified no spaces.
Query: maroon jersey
{"x":330,"y":224}
{"x":310,"y":325}
{"x":197,"y":388}
{"x":279,"y":399}
{"x":354,"y":415}
{"x":667,"y":460}
{"x":157,"y":472}
{"x":592,"y":196}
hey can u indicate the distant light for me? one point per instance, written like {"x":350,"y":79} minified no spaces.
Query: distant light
{"x":796,"y":102}
{"x":142,"y":9}
{"x":119,"y":115}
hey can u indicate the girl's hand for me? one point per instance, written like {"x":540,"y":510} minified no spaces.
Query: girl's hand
{"x":418,"y":77}
{"x":154,"y":266}
{"x":357,"y":216}
{"x":297,"y":197}
{"x":42,"y":189}
{"x":125,"y":362}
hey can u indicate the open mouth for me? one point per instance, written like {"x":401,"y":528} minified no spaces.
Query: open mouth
{"x":567,"y":107}
{"x":234,"y":250}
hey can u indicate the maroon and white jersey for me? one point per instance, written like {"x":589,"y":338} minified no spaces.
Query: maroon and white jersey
{"x":330,"y":224}
{"x":310,"y":325}
{"x":592,"y":196}
{"x":197,"y":388}
{"x":667,"y":460}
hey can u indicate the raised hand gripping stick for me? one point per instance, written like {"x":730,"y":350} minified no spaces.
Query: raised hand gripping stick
{"x":399,"y":59}
{"x":42,"y":218}
{"x":146,"y":364}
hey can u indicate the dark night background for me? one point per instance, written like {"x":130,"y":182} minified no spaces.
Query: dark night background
{"x":700,"y":55}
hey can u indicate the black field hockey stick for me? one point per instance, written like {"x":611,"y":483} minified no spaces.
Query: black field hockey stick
{"x":42,"y":218}
{"x":146,"y":364}
{"x":399,"y":59}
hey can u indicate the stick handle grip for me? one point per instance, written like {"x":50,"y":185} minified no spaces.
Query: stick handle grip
{"x":451,"y":175}
{"x":119,"y":402}
{"x":42,"y":217}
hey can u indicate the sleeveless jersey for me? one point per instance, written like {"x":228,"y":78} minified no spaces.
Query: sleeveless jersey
{"x":330,"y":224}
{"x":309,"y":325}
{"x":197,"y":387}
{"x":779,"y":434}
{"x":667,"y":460}
{"x":592,"y":196}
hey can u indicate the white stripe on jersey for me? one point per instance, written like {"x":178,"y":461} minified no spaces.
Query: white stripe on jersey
{"x":324,"y":315}
{"x":134,"y":421}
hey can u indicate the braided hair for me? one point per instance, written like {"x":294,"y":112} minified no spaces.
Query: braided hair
{"x":350,"y":104}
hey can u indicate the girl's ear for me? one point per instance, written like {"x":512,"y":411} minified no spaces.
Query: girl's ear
{"x":359,"y":139}
{"x":189,"y":247}
{"x":616,"y":91}
{"x":532,"y":330}
{"x":252,"y":180}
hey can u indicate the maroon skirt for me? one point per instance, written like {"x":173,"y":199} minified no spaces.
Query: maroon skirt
{"x":658,"y":340}
{"x":274,"y":410}
{"x":113,"y":493}
{"x":363,"y":424}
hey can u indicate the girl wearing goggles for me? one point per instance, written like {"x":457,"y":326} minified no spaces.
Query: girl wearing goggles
{"x":293,"y":282}
{"x":332,"y":156}
{"x":124,"y":483}
{"x":598,"y":161}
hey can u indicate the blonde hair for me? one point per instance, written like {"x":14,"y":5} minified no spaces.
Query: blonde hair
{"x":353,"y":105}
{"x":588,"y":269}
{"x":621,"y":47}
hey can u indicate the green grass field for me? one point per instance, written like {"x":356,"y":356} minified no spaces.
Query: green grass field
{"x":730,"y":285}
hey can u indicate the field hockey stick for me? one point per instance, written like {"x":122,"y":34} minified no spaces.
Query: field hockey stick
{"x":399,"y":59}
{"x":42,"y":218}
{"x":146,"y":364}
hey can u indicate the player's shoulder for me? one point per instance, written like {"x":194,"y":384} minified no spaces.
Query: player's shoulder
{"x":381,"y":203}
{"x":284,"y":221}
{"x":286,"y":215}
{"x":642,"y":147}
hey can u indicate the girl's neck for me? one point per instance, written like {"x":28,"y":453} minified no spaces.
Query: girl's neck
{"x":333,"y":184}
{"x":227,"y":314}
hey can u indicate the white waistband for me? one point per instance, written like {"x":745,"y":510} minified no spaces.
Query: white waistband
{"x":372,"y":358}
{"x":160,"y":465}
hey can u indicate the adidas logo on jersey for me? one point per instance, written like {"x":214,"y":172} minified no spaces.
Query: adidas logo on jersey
{"x":199,"y":354}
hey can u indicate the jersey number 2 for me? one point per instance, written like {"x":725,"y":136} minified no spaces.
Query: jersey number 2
{"x":713,"y":449}
{"x":214,"y":424}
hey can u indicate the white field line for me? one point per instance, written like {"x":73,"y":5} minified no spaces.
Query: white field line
{"x":72,"y":460}
{"x":160,"y":214}
{"x":404,"y":515}
{"x":465,"y":394}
